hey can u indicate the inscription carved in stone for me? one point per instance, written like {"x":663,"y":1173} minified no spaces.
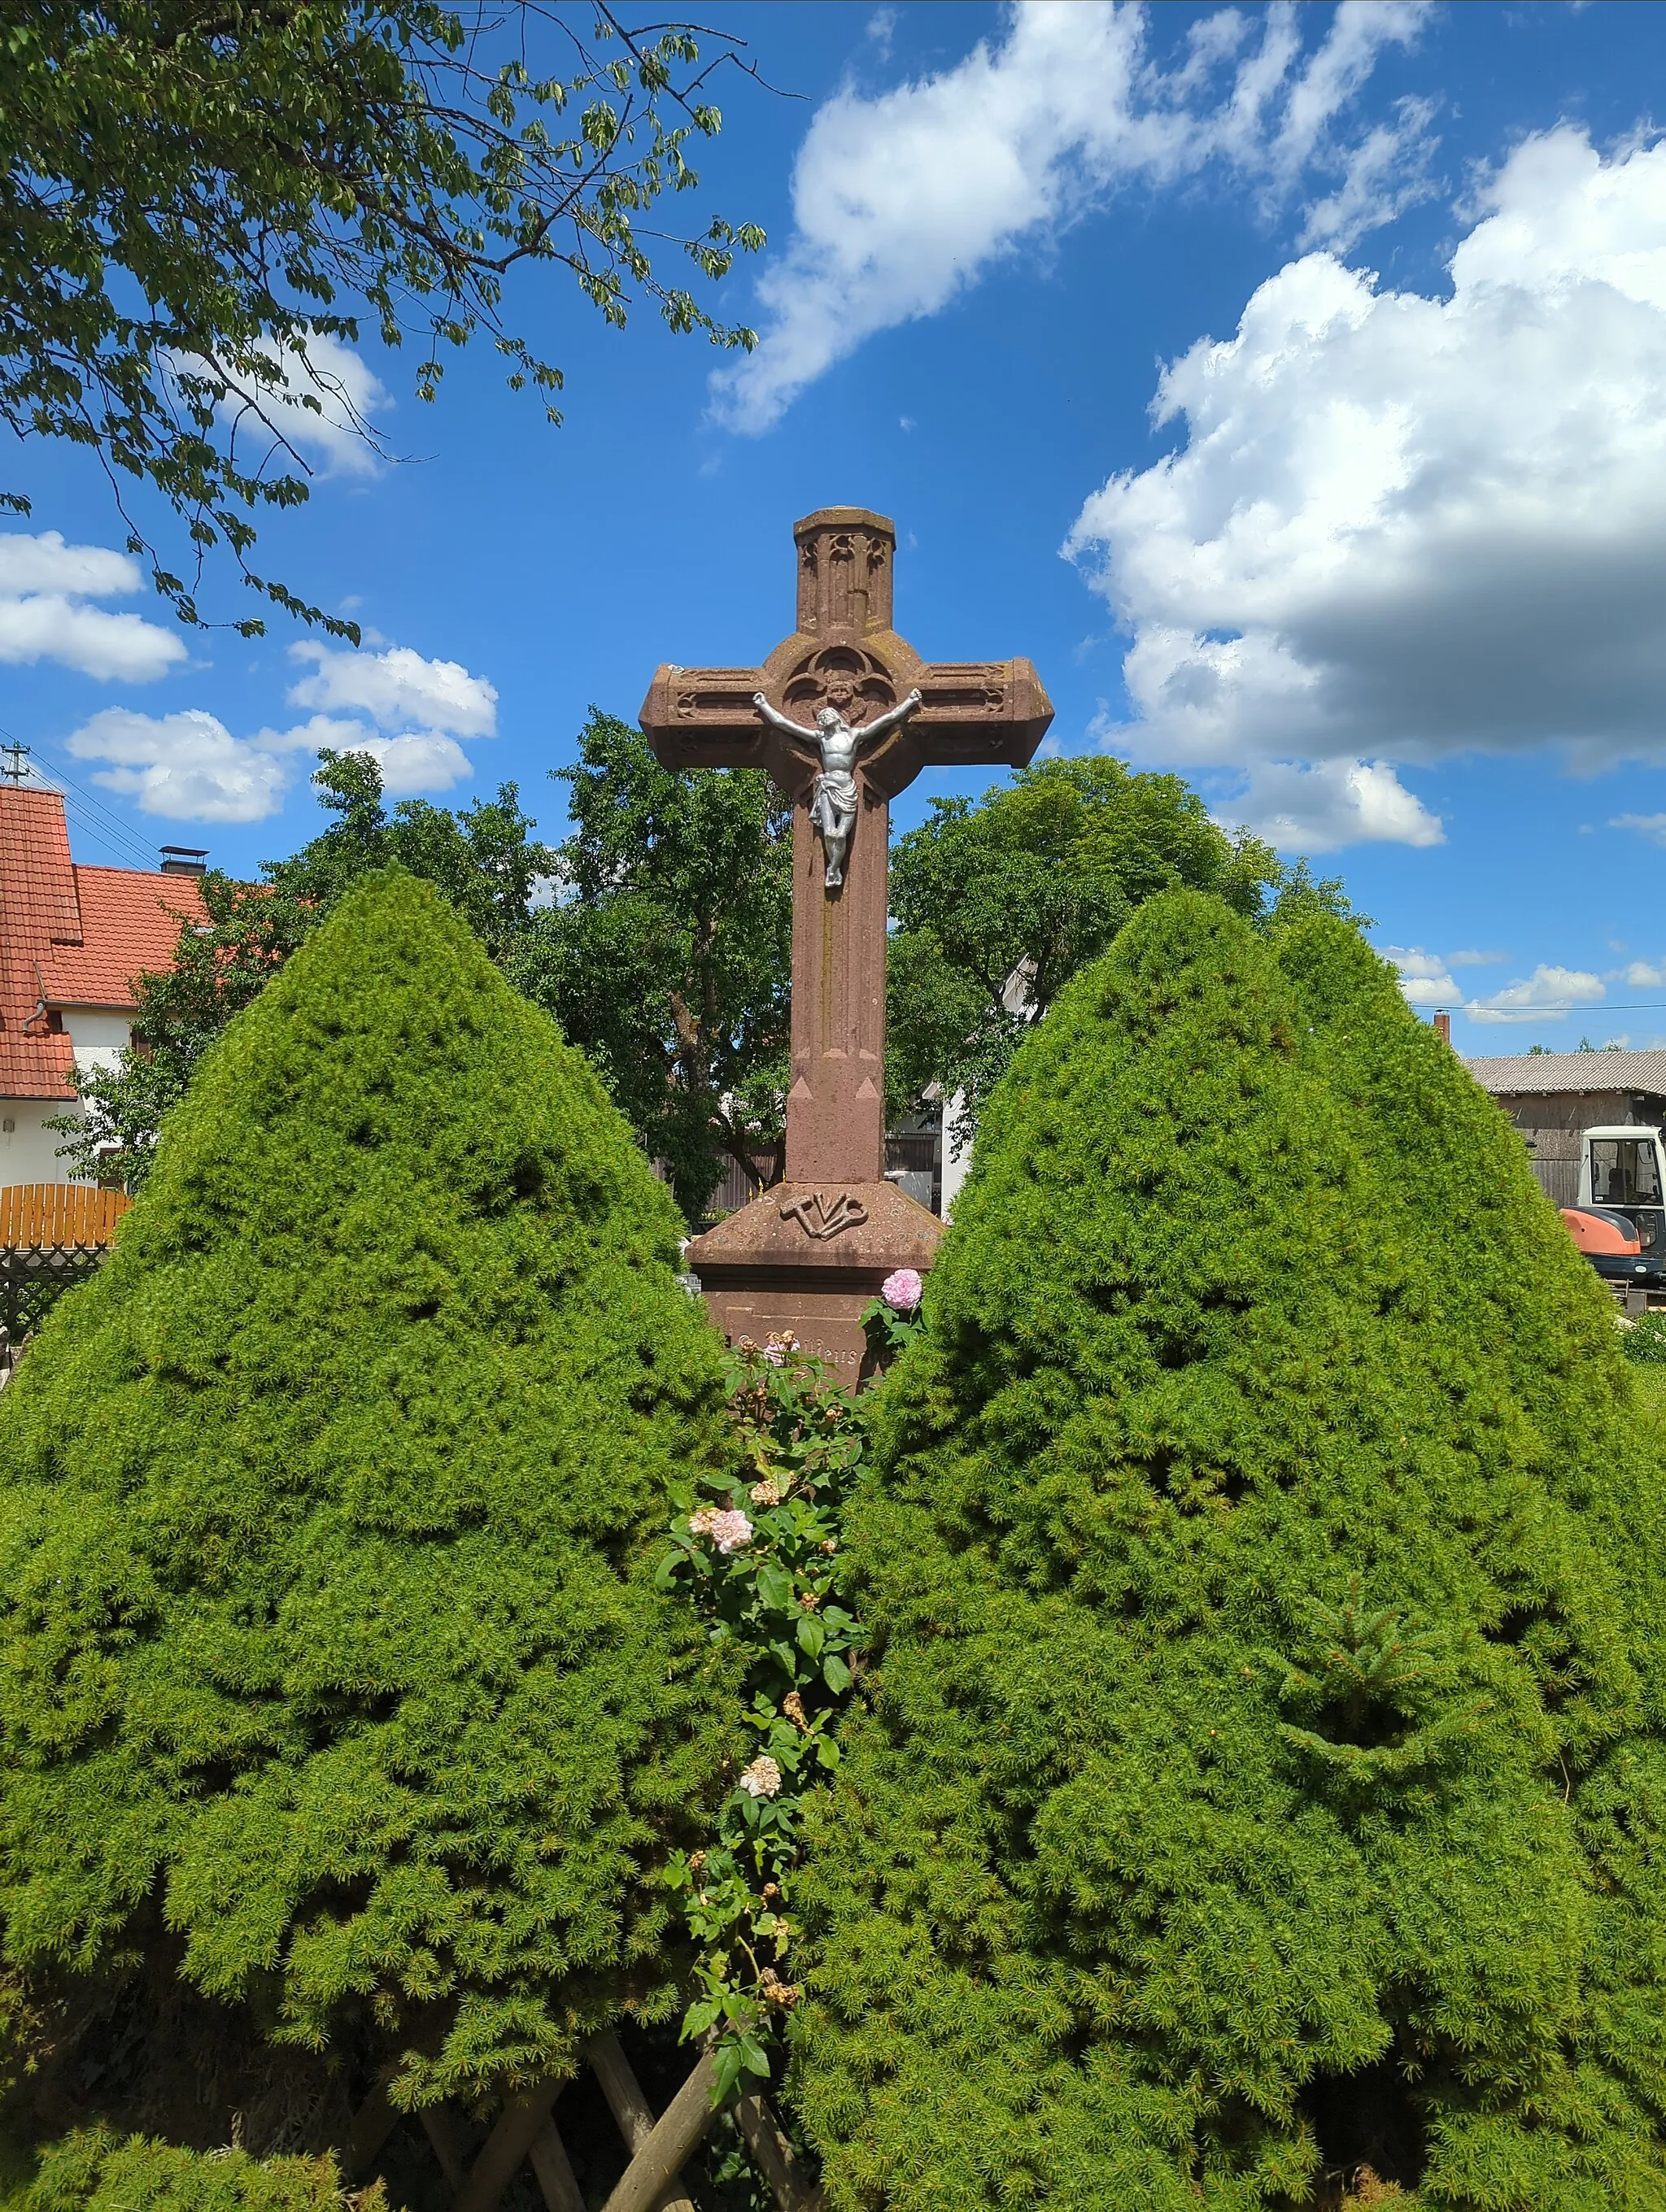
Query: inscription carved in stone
{"x":820,"y":1217}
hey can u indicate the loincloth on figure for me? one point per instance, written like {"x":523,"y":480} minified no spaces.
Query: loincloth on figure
{"x":833,"y":801}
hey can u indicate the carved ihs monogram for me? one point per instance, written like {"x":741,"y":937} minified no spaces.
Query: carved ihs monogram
{"x":821,"y":1217}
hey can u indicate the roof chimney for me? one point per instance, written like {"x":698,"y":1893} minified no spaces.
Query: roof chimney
{"x":1443,"y":1027}
{"x":184,"y":859}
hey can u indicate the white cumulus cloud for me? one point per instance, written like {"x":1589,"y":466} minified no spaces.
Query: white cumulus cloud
{"x":326,"y":401}
{"x":1426,"y":978}
{"x":396,"y":686}
{"x":1402,"y":526}
{"x":188,"y":767}
{"x":1334,"y":803}
{"x":1547,"y":990}
{"x":45,"y":585}
{"x":1427,"y":981}
{"x":185,"y":767}
{"x":901,"y":200}
{"x":1652,"y":826}
{"x":423,"y":759}
{"x":340,"y":429}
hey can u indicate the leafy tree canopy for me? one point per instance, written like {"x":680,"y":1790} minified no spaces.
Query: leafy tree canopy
{"x":998,"y":903}
{"x":1263,"y":1792}
{"x":193,"y":196}
{"x":483,"y":859}
{"x":668,"y":954}
{"x":328,"y":1536}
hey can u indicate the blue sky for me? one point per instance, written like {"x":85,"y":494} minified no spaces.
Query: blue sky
{"x":1289,"y":385}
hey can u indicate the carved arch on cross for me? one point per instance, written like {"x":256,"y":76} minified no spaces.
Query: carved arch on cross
{"x":843,"y":677}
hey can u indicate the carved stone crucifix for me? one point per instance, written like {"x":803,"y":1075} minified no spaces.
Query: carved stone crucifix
{"x":881,"y":715}
{"x":833,"y":800}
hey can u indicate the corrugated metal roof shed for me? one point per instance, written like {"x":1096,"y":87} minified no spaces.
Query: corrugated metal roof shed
{"x":1524,"y":1074}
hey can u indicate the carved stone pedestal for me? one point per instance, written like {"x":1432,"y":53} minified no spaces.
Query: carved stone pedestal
{"x":809,"y":1257}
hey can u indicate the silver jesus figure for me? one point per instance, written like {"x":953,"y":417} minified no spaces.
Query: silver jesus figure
{"x":833,"y":799}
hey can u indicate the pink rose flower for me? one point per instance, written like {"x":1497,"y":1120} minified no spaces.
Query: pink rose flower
{"x":730,"y":1531}
{"x":902,"y":1290}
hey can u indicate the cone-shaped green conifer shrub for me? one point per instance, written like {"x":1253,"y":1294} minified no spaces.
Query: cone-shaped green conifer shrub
{"x":1262,"y":1781}
{"x":328,"y":1631}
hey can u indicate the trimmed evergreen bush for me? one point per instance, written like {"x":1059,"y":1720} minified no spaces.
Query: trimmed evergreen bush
{"x":329,"y":1518}
{"x":1262,"y":1797}
{"x":93,"y":2170}
{"x":1644,"y":1341}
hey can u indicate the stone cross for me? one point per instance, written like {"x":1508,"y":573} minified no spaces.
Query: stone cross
{"x":844,"y":656}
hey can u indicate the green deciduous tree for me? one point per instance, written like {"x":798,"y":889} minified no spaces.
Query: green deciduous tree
{"x":330,"y":1648}
{"x":193,"y":196}
{"x":1264,"y":1782}
{"x":998,"y":903}
{"x":668,"y":954}
{"x":483,"y":859}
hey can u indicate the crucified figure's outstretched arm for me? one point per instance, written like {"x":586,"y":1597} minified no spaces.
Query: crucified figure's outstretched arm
{"x":780,"y":721}
{"x":876,"y":728}
{"x":889,"y":721}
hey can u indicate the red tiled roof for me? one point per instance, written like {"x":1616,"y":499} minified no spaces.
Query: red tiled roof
{"x":69,"y":936}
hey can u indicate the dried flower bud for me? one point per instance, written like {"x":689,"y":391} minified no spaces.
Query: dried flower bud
{"x":792,"y":1706}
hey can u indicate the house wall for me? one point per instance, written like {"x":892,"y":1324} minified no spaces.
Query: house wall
{"x":98,"y":1037}
{"x":28,"y":1149}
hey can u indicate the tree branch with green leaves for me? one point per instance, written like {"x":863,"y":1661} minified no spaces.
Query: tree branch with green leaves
{"x":194,"y":194}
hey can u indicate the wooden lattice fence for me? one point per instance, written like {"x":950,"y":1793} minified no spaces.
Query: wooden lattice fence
{"x":525,"y":2132}
{"x":52,"y":1236}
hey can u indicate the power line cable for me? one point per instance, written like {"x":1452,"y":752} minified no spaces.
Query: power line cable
{"x":93,"y":817}
{"x":1591,"y":1007}
{"x":95,"y":812}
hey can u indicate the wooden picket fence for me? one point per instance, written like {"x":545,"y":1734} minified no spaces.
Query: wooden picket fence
{"x":37,"y":1215}
{"x":525,"y":2130}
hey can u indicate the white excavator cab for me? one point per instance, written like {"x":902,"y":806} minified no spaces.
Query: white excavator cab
{"x":1623,"y":1170}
